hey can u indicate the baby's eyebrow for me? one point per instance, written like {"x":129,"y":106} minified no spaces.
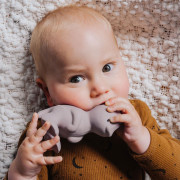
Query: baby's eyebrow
{"x":106,"y":61}
{"x":74,"y":69}
{"x":109,"y":60}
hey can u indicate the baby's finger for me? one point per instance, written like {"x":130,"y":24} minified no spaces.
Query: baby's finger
{"x":32,"y":126}
{"x":46,"y":145}
{"x":114,"y":100}
{"x":122,"y":118}
{"x":122,"y":107}
{"x":38,"y":136}
{"x":53,"y":160}
{"x":43,"y":130}
{"x":49,"y":160}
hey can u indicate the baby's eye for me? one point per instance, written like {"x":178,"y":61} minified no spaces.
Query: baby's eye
{"x":76,"y":79}
{"x":107,"y":68}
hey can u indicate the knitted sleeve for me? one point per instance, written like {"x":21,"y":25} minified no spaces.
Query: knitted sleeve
{"x":162,"y":159}
{"x":43,"y":175}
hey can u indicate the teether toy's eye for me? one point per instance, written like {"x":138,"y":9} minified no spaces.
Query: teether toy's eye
{"x":76,"y":79}
{"x":107,"y":68}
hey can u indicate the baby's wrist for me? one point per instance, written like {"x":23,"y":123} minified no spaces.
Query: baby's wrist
{"x":141,"y":145}
{"x":14,"y":174}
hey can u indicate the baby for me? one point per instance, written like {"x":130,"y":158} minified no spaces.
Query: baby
{"x":78,"y":63}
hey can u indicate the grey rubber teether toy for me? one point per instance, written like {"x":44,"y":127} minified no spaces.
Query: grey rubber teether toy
{"x":73,"y":123}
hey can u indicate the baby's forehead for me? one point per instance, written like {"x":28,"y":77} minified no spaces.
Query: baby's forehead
{"x":61,"y":36}
{"x":66,"y":18}
{"x":54,"y":23}
{"x":70,"y":21}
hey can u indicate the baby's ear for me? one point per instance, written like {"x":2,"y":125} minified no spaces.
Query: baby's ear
{"x":40,"y":83}
{"x":44,"y":88}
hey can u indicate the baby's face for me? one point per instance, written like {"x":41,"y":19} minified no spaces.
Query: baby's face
{"x":87,"y":68}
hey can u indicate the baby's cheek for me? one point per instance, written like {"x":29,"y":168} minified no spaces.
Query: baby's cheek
{"x":72,"y":99}
{"x":122,"y":89}
{"x":126,"y":88}
{"x":82,"y":103}
{"x":67,"y":99}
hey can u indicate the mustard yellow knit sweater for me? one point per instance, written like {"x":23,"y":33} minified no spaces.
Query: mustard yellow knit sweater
{"x":99,"y":158}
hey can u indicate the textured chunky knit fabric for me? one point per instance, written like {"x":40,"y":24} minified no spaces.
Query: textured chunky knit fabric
{"x":148,"y":36}
{"x":109,"y":158}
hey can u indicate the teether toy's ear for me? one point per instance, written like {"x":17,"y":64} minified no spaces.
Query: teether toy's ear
{"x":52,"y":132}
{"x":49,"y":115}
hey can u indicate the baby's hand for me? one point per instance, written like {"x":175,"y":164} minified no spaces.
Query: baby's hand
{"x":132,"y":132}
{"x":30,"y":158}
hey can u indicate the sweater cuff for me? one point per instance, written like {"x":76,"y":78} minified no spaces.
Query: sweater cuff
{"x":157,"y":159}
{"x":155,"y":153}
{"x":149,"y":152}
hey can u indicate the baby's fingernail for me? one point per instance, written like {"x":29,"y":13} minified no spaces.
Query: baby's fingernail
{"x":57,"y":137}
{"x":109,"y":109}
{"x":46,"y":123}
{"x":107,"y":103}
{"x":60,"y":158}
{"x":33,"y":117}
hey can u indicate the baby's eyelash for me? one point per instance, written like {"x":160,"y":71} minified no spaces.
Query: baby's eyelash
{"x":107,"y":67}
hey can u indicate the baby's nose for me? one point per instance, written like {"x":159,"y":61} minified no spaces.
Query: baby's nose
{"x":98,"y":90}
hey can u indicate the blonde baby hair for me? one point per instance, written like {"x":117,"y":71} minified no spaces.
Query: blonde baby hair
{"x":62,"y":18}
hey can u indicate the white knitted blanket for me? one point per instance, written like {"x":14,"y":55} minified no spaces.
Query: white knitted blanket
{"x":148,"y":34}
